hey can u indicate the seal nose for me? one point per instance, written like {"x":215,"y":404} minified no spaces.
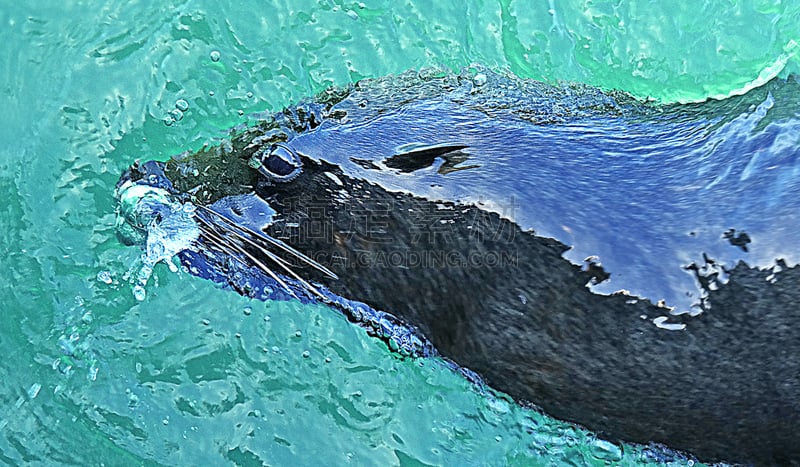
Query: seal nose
{"x":280,"y":163}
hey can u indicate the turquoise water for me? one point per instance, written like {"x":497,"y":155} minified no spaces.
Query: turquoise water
{"x":198,"y":375}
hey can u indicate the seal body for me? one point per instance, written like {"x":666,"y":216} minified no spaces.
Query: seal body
{"x":626,"y":266}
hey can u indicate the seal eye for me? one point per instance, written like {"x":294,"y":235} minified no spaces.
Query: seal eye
{"x":279,"y":164}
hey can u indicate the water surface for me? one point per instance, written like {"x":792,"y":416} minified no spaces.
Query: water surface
{"x":195,"y":374}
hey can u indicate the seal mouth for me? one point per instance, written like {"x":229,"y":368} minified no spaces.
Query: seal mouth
{"x":139,"y":206}
{"x":151,"y":217}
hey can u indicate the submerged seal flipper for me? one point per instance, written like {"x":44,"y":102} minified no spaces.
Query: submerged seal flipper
{"x":501,"y":218}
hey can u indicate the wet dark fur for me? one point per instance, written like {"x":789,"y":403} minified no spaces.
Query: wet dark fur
{"x":532,"y":329}
{"x":726,"y":387}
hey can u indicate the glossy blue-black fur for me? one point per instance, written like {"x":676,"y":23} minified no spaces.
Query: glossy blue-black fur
{"x":540,"y":236}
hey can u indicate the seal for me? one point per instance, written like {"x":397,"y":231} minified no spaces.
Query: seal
{"x":628,"y":266}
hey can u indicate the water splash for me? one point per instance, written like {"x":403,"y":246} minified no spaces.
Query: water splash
{"x":150,"y":217}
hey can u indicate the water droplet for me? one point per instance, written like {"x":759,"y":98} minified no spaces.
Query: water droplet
{"x":33,"y":391}
{"x":298,"y":333}
{"x":92,"y":376}
{"x":182,"y":105}
{"x":241,"y":112}
{"x":138,"y":293}
{"x":605,"y":450}
{"x":254,"y":162}
{"x":215,"y":55}
{"x":248,"y":310}
{"x":205,"y":322}
{"x":104,"y":277}
{"x":211,"y":93}
{"x":249,"y":95}
{"x":306,"y":354}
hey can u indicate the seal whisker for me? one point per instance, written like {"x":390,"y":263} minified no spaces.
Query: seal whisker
{"x":280,"y":261}
{"x":275,"y":258}
{"x":271,"y":241}
{"x":206,"y":228}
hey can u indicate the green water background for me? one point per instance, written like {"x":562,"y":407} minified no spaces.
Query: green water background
{"x":195,"y":374}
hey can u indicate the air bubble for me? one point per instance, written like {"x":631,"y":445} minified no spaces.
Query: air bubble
{"x":249,"y":95}
{"x":182,"y":105}
{"x":176,"y":114}
{"x":169,"y":121}
{"x":215,"y":55}
{"x":479,"y":79}
{"x":139,"y":293}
